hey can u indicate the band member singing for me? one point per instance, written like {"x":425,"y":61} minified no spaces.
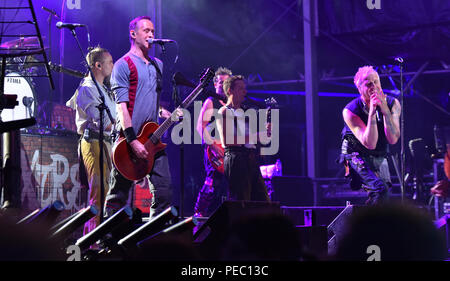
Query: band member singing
{"x":371,"y":125}
{"x":137,"y":82}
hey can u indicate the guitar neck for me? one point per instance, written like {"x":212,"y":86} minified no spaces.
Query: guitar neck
{"x":156,"y":136}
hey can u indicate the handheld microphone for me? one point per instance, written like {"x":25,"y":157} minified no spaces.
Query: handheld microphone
{"x":159,"y":41}
{"x":379,"y":115}
{"x":61,"y":24}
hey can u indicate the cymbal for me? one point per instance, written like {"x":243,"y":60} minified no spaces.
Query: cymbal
{"x":25,"y":42}
{"x":21,"y":52}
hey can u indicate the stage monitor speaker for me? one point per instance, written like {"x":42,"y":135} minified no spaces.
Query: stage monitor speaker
{"x":313,"y":240}
{"x":293,"y":191}
{"x":212,"y":234}
{"x":443,"y":225}
{"x":336,"y":229}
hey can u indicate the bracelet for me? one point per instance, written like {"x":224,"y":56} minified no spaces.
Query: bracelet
{"x":129,"y":134}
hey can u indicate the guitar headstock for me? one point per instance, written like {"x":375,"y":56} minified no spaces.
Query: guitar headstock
{"x":271,"y":102}
{"x":206,"y":76}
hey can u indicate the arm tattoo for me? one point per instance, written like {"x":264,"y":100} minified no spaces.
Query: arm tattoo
{"x":389,"y":121}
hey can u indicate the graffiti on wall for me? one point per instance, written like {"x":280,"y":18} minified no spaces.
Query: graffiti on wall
{"x":50,"y":172}
{"x":52,"y":180}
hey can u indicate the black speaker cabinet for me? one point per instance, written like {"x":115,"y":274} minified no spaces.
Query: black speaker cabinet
{"x":313,"y":240}
{"x":213,"y":233}
{"x":293,"y":191}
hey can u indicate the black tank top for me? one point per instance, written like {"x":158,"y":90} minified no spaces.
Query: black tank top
{"x":358,"y":108}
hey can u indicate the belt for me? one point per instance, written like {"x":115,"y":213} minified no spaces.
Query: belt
{"x":239,"y":149}
{"x":90,"y":134}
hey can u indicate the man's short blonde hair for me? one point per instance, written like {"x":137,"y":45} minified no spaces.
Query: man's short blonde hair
{"x":362,"y":72}
{"x":229,"y":83}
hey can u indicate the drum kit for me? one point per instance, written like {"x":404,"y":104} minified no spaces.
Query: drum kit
{"x":18,"y":80}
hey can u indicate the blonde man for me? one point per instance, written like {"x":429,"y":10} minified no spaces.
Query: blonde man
{"x":371,"y":125}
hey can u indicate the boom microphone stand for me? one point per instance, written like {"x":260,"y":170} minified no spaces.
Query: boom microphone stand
{"x":101,"y":107}
{"x":402,"y":132}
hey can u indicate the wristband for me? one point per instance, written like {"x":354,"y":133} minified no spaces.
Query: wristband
{"x":129,"y":134}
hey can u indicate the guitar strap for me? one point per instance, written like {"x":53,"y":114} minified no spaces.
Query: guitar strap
{"x":158,"y":75}
{"x":158,"y":80}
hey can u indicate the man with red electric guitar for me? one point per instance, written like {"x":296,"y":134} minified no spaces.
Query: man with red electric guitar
{"x":214,"y":176}
{"x":137,"y":82}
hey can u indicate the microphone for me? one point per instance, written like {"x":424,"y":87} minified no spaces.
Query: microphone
{"x":399,"y":59}
{"x":61,"y":24}
{"x":159,"y":41}
{"x":379,"y":115}
{"x":51,"y":12}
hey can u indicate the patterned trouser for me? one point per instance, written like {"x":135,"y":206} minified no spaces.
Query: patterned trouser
{"x":209,"y":189}
{"x":373,"y":173}
{"x":90,"y":152}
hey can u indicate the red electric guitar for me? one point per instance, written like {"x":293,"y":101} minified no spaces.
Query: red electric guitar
{"x":134,"y":168}
{"x":214,"y":159}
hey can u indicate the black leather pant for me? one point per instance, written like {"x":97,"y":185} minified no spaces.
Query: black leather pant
{"x":244,"y":175}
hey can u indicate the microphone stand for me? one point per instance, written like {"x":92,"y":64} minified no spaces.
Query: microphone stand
{"x":101,"y":107}
{"x":402,"y":133}
{"x":177,"y":102}
{"x":49,"y":20}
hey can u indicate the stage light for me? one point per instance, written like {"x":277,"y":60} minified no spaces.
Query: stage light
{"x":47,"y":215}
{"x":69,"y":227}
{"x":151,"y":227}
{"x":184,"y":226}
{"x":28,"y":217}
{"x":122,"y":216}
{"x":65,"y":220}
